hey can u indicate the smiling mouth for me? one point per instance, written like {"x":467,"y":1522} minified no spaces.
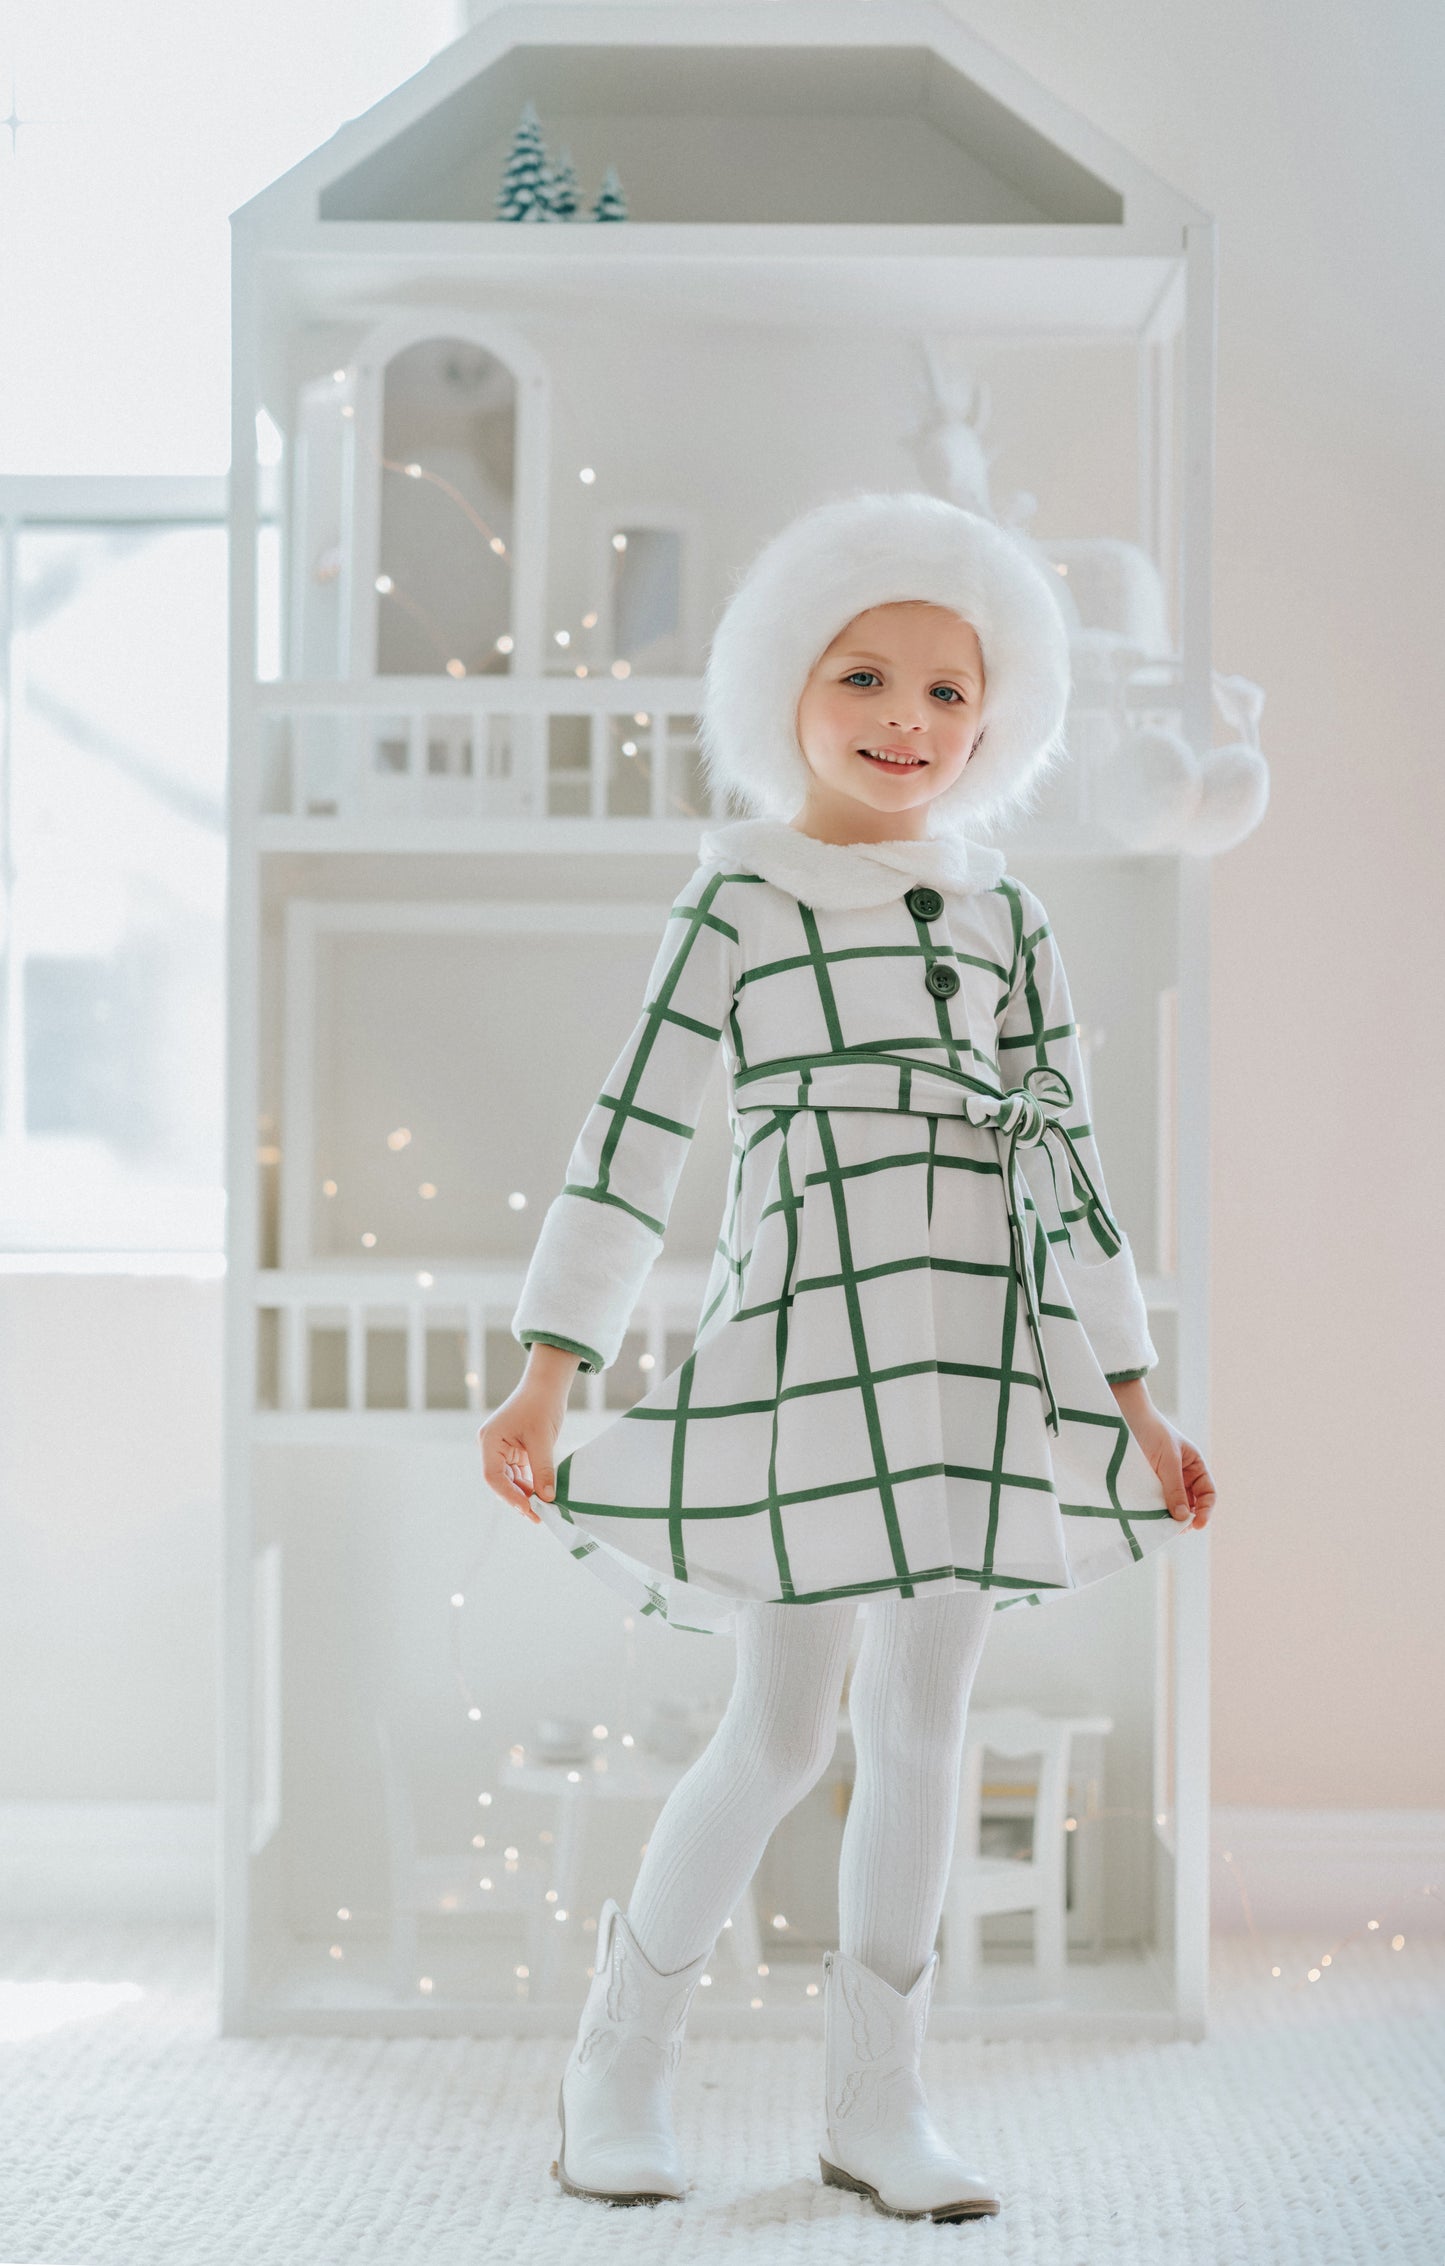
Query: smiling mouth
{"x":889,"y":762}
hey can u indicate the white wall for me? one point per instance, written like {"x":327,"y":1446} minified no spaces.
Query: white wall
{"x":1311,"y":129}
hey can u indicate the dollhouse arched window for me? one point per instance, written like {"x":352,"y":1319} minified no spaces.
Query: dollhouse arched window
{"x":447,"y":482}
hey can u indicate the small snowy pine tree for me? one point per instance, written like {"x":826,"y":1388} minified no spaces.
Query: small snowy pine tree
{"x":521,"y":196}
{"x":562,"y":188}
{"x":611,"y":204}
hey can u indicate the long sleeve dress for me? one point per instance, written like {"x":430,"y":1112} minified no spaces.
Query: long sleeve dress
{"x":919,"y":1296}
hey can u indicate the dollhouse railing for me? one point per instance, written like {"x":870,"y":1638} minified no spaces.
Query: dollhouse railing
{"x":481,"y":749}
{"x":435,"y":1342}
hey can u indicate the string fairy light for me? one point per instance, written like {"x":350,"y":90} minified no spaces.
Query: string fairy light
{"x":1327,"y":1960}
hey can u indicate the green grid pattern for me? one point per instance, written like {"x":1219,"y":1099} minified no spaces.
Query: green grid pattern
{"x":878,"y":1221}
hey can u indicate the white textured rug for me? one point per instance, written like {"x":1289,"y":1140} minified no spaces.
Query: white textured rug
{"x":1310,"y":2126}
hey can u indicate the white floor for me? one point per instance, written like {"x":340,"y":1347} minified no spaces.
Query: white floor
{"x":1309,"y":2127}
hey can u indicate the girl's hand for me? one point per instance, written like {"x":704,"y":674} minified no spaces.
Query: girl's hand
{"x":1181,"y":1470}
{"x":519,"y":1442}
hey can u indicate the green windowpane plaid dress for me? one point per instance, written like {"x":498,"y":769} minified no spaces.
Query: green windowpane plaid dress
{"x":900,"y":1379}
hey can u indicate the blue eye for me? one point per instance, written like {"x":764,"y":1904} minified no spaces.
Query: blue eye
{"x":854,"y":674}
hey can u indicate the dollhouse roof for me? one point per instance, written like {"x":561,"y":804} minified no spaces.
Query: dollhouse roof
{"x":801,"y":111}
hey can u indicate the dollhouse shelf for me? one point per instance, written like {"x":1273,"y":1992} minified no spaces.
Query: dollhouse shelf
{"x":1017,"y":281}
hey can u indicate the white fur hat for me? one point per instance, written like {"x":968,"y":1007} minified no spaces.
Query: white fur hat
{"x":872,"y":549}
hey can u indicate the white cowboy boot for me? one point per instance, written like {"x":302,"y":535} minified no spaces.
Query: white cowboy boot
{"x":614,"y":2101}
{"x":882,"y":2140}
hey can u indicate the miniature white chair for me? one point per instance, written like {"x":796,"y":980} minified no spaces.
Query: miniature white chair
{"x":442,"y":1882}
{"x":980,"y":1886}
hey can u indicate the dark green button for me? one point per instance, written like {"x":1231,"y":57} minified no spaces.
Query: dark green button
{"x":942,"y":980}
{"x":924,"y":904}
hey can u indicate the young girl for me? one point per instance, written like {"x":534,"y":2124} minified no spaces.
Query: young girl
{"x":918,"y":1381}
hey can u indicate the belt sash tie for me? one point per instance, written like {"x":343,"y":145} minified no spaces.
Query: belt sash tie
{"x":1027,"y":1117}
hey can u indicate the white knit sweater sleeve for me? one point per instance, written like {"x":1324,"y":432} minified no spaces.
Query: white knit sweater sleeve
{"x":601,"y":1234}
{"x":1037,"y":1025}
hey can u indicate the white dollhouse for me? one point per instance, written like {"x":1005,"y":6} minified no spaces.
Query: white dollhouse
{"x":490,"y":484}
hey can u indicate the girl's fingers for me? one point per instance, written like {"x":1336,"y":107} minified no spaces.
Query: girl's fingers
{"x":508,"y":1472}
{"x":1176,"y":1494}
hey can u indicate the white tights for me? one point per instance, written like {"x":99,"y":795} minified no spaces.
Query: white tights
{"x":907,"y":1704}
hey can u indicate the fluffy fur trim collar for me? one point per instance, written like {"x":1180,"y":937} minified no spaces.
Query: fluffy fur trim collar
{"x":839,"y":877}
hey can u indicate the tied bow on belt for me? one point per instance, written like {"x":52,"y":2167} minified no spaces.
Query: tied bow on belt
{"x":1029,"y":1116}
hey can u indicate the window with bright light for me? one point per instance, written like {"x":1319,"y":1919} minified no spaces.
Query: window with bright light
{"x":133,"y":130}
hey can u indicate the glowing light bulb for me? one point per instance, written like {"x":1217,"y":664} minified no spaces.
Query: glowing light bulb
{"x":622,"y":668}
{"x":427,"y":1190}
{"x":399,"y":1138}
{"x":385,"y":585}
{"x":619,"y":542}
{"x":599,"y":1730}
{"x":328,"y":1187}
{"x":629,"y":747}
{"x":646,"y":1361}
{"x":516,"y":1202}
{"x":425,"y":1280}
{"x":457,"y":1597}
{"x":562,"y":636}
{"x":340,"y":377}
{"x":589,"y":621}
{"x":504,"y":644}
{"x":498,"y":545}
{"x":587,"y":475}
{"x":368,"y":1241}
{"x":413,"y":472}
{"x":456,"y":668}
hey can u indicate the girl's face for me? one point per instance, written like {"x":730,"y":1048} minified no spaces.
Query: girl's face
{"x":888,"y":718}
